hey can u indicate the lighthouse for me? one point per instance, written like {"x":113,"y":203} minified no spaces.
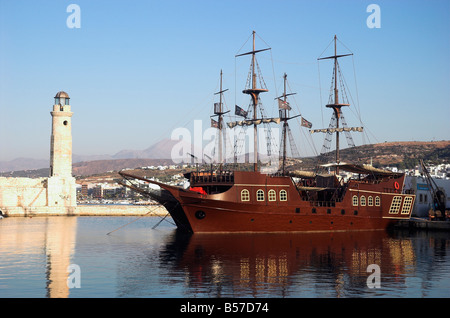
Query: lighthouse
{"x":61,"y":138}
{"x":61,"y":183}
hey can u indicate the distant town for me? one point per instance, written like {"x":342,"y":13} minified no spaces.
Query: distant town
{"x":107,"y":190}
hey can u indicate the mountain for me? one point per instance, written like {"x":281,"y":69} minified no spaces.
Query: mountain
{"x":159,"y":150}
{"x":81,"y":158}
{"x":403,"y":154}
{"x":87,"y":168}
{"x":400,"y":154}
{"x":23,"y":164}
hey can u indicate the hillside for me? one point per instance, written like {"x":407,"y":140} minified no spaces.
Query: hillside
{"x":99,"y":166}
{"x":160,"y":150}
{"x":400,"y":154}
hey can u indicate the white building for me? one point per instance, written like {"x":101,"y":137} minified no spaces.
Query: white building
{"x":424,"y":199}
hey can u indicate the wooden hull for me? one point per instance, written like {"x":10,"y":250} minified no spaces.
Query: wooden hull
{"x":361,"y":206}
{"x":216,"y":220}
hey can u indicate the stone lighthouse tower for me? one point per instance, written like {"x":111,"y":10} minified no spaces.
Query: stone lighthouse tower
{"x":61,"y":183}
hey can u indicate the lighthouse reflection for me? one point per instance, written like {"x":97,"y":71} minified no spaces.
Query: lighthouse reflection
{"x":36,"y":252}
{"x":287,"y":265}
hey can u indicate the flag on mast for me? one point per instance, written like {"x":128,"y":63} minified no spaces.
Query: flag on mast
{"x":214,"y":123}
{"x":240,"y":112}
{"x":283,"y":105}
{"x":306,"y":123}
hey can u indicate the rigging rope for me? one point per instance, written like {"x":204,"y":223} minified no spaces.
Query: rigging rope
{"x":357,"y":100}
{"x":326,"y":47}
{"x":294,"y":151}
{"x":140,"y":218}
{"x":320,"y":93}
{"x":273,"y":72}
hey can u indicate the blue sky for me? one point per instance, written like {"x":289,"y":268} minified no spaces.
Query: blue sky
{"x":136,"y":70}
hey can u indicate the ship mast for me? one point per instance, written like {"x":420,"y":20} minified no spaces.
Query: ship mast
{"x":218,"y":111}
{"x":254,"y":93}
{"x":284,"y":116}
{"x":336,"y":106}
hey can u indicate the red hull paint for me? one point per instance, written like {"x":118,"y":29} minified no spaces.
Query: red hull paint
{"x":378,"y":205}
{"x":234,"y":221}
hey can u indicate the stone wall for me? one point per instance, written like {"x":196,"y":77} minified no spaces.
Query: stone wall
{"x":61,"y":191}
{"x":120,"y":210}
{"x":38,"y":211}
{"x":86,"y":210}
{"x":56,"y":196}
{"x":31,"y":196}
{"x":23,"y":192}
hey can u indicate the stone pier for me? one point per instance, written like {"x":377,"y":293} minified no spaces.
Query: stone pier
{"x":86,"y":210}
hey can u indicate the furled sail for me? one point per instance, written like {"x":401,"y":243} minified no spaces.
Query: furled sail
{"x":250,"y":122}
{"x":341,"y":129}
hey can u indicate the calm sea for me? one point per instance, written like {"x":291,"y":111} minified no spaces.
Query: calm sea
{"x":46,"y":257}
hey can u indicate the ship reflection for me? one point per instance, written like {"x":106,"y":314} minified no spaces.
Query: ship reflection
{"x":286,"y":265}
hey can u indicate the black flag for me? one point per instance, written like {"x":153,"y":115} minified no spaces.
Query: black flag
{"x":240,"y":112}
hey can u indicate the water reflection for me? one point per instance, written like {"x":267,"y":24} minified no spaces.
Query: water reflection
{"x":287,"y":264}
{"x":140,"y":262}
{"x":28,"y":244}
{"x":59,"y":246}
{"x":432,"y":268}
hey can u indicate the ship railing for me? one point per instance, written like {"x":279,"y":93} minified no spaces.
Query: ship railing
{"x":391,"y":190}
{"x":216,"y":177}
{"x":356,"y":183}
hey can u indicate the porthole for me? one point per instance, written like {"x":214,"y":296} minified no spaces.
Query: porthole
{"x":245,"y":195}
{"x":260,"y":195}
{"x":363,"y":200}
{"x":200,"y":214}
{"x":65,"y":122}
{"x":377,"y":201}
{"x":272,"y":195}
{"x":355,"y":200}
{"x":283,"y":195}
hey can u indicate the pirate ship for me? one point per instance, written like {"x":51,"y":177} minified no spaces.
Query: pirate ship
{"x":225,"y":200}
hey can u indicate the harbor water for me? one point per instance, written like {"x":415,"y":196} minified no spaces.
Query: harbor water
{"x":75,"y":257}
